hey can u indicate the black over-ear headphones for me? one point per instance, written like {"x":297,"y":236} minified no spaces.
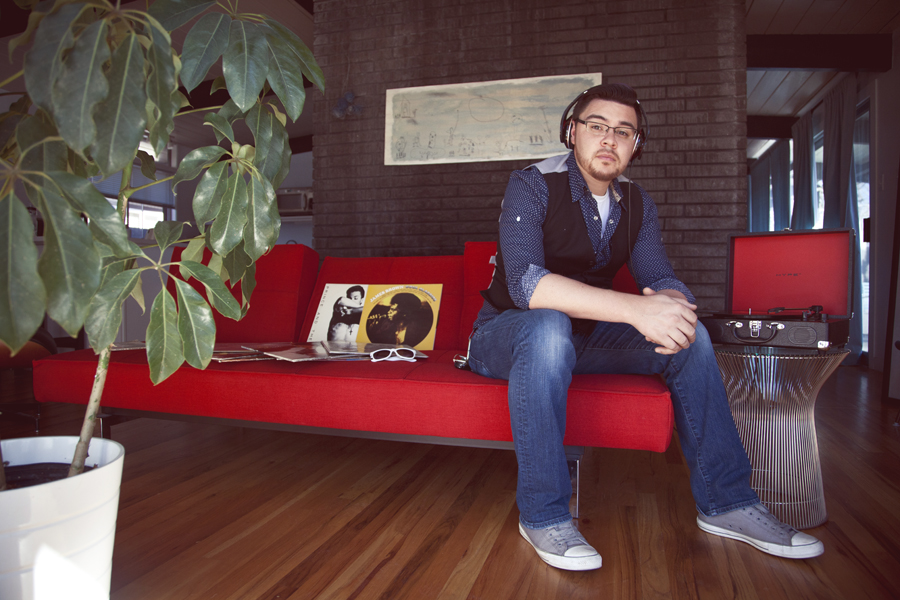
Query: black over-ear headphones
{"x":602,"y":91}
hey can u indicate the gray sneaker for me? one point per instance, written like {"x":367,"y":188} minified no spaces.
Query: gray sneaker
{"x":759,"y":528}
{"x":563,"y":547}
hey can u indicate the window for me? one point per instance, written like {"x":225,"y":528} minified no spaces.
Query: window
{"x":771,"y":193}
{"x":861,"y":150}
{"x":146,"y":207}
{"x":859,"y":195}
{"x":143,"y":216}
{"x":819,"y":149}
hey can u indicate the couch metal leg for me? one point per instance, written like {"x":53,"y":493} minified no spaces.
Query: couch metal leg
{"x":573,"y":457}
{"x":107,"y":421}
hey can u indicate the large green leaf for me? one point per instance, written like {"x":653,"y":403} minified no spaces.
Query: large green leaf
{"x":9,"y":121}
{"x":105,"y":312}
{"x":43,"y":60}
{"x":227,"y":229}
{"x":175,"y":13}
{"x":261,"y":230}
{"x":269,"y":137}
{"x":193,"y":251}
{"x":162,"y":85}
{"x":245,"y":63}
{"x":105,"y":222}
{"x":284,"y":77}
{"x":159,"y":127}
{"x":121,"y":129}
{"x":164,"y":347}
{"x":236,"y":263}
{"x":230,"y":111}
{"x":305,"y":58}
{"x":216,"y":291}
{"x":167,"y":233}
{"x":195,"y":161}
{"x":196,"y":326}
{"x":40,"y":154}
{"x":69,"y":265}
{"x":204,"y":44}
{"x":248,"y":284}
{"x":208,"y":196}
{"x":39,"y":10}
{"x":81,"y":85}
{"x":285,"y":164}
{"x":22,"y":295}
{"x":148,"y":165}
{"x":221,"y":126}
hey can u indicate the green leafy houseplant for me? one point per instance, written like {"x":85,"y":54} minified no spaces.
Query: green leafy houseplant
{"x":99,"y":79}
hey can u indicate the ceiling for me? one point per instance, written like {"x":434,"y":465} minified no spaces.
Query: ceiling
{"x":793,"y":92}
{"x":771,"y":92}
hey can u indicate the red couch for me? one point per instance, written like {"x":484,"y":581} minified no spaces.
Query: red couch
{"x":429,"y":400}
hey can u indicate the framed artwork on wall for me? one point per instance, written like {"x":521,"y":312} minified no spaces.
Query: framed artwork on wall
{"x":483,"y":121}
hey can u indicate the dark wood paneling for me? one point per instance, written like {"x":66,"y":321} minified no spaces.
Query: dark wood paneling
{"x":869,"y":52}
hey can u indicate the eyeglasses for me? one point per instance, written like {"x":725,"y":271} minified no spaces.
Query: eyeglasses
{"x":600,"y":130}
{"x":407,"y":354}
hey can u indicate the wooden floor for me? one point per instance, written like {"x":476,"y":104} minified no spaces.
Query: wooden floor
{"x":214,"y":512}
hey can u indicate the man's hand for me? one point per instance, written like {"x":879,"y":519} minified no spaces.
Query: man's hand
{"x":667,"y":319}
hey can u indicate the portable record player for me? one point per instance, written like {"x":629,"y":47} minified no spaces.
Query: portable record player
{"x":790,"y":289}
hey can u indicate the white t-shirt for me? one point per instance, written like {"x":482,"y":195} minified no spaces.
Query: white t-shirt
{"x":603,"y":209}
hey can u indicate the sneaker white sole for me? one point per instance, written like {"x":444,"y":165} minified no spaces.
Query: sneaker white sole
{"x":568,"y":563}
{"x":805,"y":551}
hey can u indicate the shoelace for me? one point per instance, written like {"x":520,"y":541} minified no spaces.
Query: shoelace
{"x":569,"y":536}
{"x":773,"y":523}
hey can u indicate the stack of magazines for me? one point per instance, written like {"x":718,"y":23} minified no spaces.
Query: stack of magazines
{"x":331,"y":351}
{"x":300,"y":352}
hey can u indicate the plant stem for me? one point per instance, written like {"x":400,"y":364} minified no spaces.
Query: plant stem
{"x":2,"y":472}
{"x":11,"y":78}
{"x":129,"y":191}
{"x":90,"y":414}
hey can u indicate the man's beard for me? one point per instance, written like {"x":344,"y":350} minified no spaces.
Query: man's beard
{"x":599,"y":171}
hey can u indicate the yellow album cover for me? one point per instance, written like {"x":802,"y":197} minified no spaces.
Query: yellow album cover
{"x":400,"y":314}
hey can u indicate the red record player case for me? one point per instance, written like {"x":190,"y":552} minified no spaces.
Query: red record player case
{"x":788,"y":289}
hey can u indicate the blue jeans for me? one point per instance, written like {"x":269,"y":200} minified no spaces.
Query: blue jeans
{"x":537,"y":352}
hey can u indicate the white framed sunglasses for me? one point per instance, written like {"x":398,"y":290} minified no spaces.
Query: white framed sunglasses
{"x":407,"y":354}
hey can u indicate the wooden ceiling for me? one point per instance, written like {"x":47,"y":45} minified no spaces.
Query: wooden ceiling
{"x":790,"y":93}
{"x":771,"y":92}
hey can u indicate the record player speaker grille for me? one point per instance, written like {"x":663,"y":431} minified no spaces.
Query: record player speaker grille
{"x":802,"y":336}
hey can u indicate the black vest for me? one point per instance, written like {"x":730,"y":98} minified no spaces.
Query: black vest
{"x":567,"y":245}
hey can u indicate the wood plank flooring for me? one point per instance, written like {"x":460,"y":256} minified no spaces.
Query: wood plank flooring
{"x":216,"y":512}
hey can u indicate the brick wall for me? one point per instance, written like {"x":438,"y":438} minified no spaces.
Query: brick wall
{"x":686,"y":59}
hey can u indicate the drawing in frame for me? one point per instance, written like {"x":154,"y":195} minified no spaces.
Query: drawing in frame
{"x":482,"y":121}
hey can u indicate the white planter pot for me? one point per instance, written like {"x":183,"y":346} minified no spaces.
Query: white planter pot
{"x":76,"y":517}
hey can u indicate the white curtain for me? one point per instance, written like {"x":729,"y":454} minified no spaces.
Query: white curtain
{"x":804,"y":215}
{"x":840,"y":115}
{"x":840,"y":189}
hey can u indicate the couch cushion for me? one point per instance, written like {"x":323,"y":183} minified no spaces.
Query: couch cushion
{"x":428,"y":397}
{"x":284,"y":282}
{"x":479,"y":270}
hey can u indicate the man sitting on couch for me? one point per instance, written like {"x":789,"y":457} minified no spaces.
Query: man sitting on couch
{"x":567,"y":225}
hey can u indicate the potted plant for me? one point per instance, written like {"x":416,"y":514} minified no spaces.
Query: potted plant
{"x":100,"y":79}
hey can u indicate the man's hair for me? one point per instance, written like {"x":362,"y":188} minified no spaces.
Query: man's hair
{"x":615,"y":92}
{"x":356,"y":288}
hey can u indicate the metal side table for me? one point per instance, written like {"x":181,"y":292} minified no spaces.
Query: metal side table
{"x":772,"y":393}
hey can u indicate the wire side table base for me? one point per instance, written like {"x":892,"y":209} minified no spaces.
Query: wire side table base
{"x":772,"y":394}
